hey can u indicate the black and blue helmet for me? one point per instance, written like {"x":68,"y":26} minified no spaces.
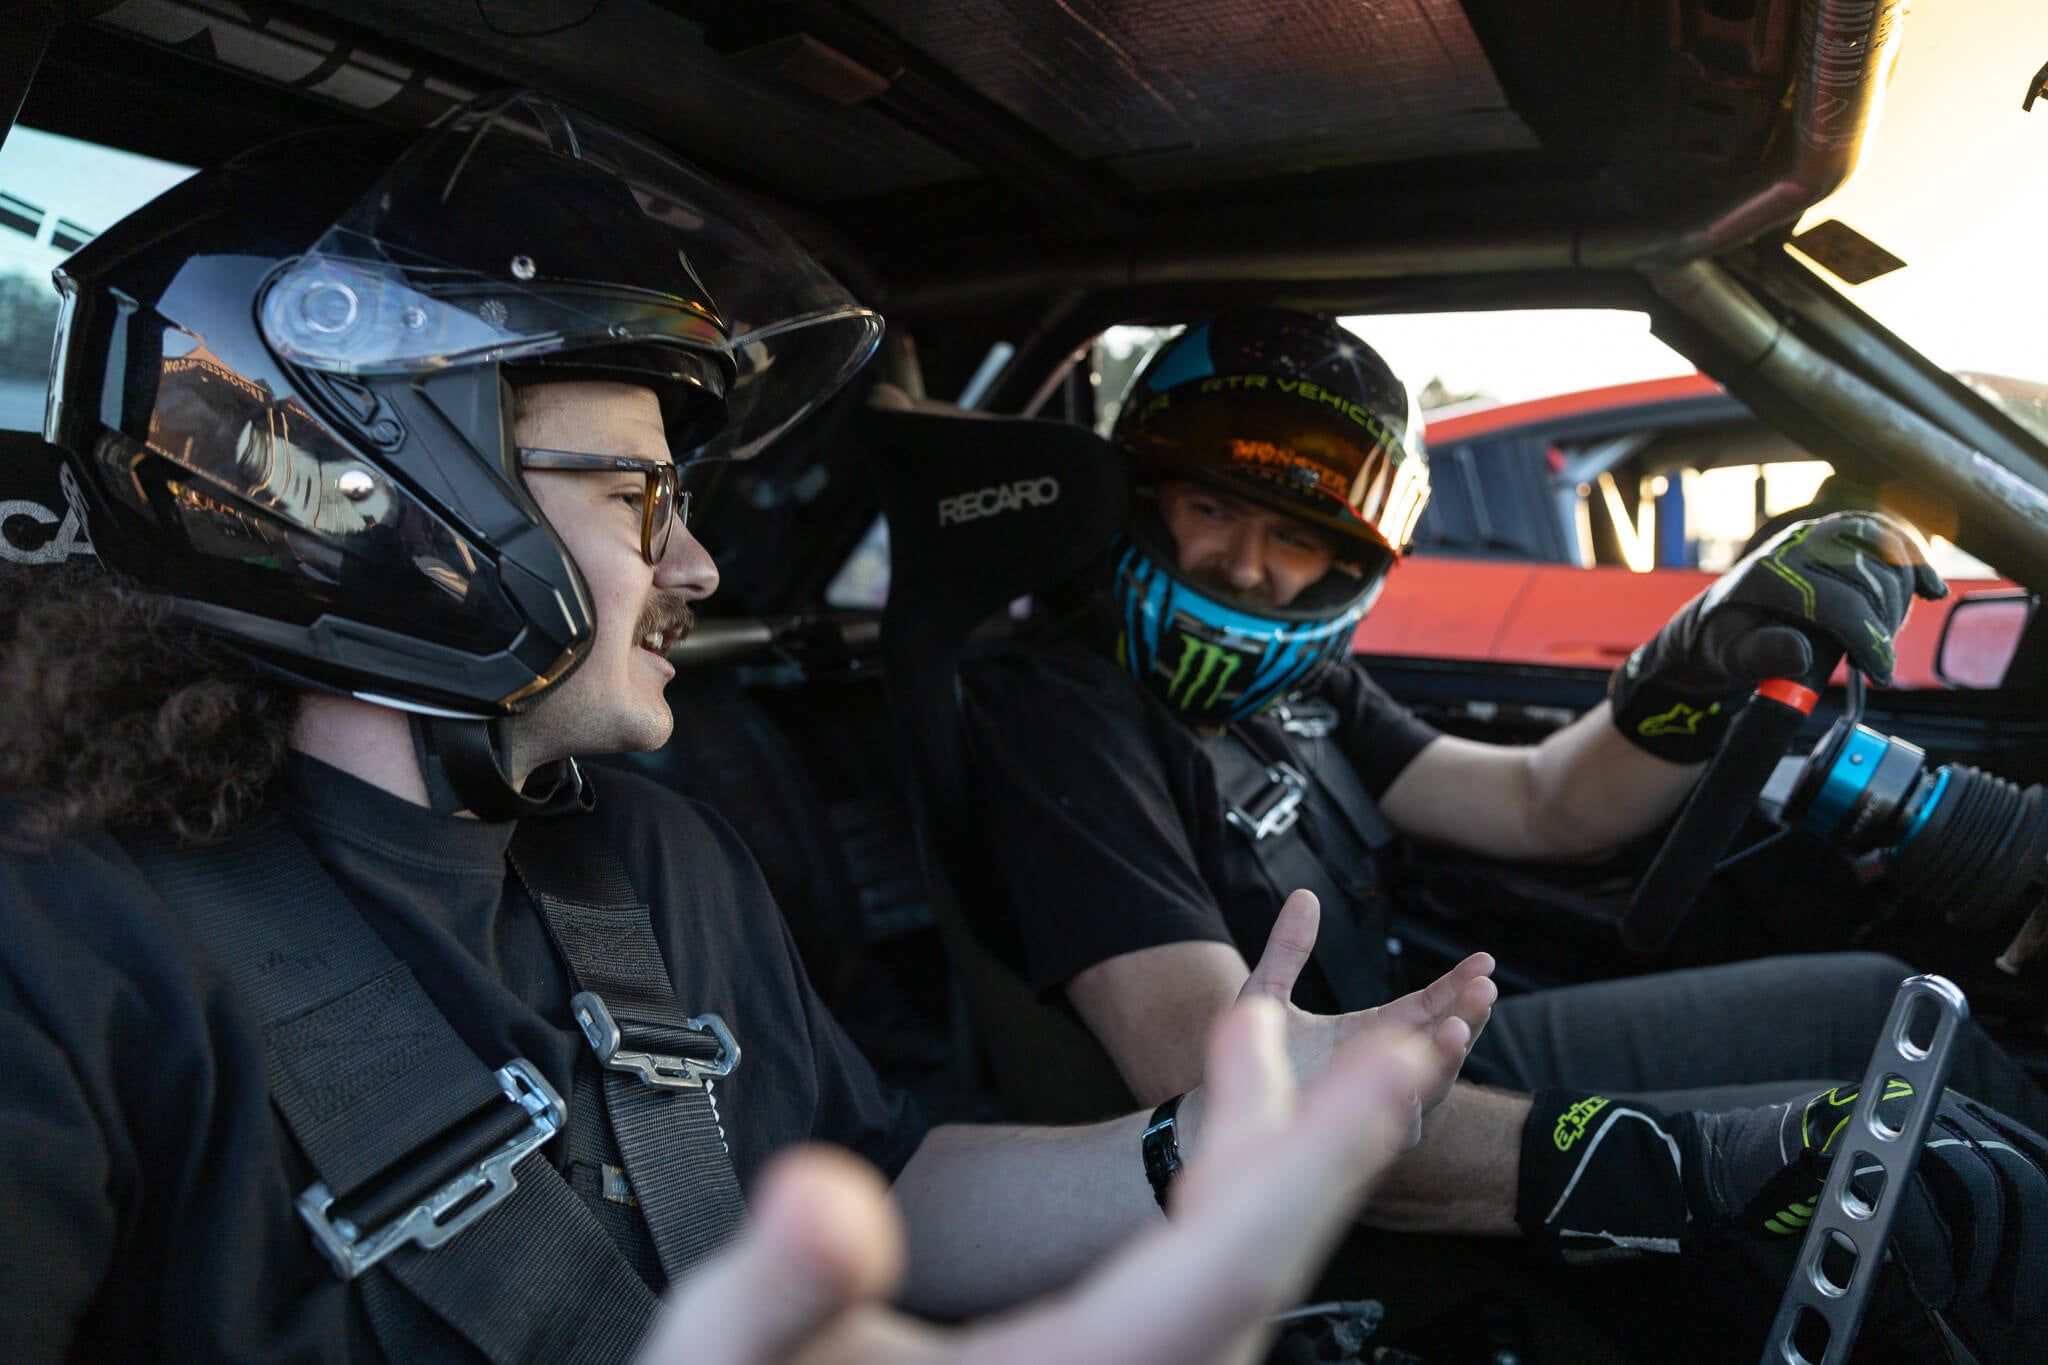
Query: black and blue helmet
{"x":1295,"y":413}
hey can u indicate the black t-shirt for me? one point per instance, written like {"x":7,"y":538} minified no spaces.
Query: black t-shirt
{"x":145,"y":1186}
{"x":1102,"y":809}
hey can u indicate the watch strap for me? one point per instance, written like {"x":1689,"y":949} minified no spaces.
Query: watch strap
{"x":1160,"y":1144}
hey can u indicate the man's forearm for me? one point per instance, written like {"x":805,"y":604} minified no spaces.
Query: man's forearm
{"x":996,"y":1215}
{"x":1462,"y":1176}
{"x":1580,"y":792}
{"x":1591,"y":789}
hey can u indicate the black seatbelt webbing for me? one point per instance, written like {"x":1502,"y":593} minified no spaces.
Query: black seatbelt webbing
{"x":667,"y":1131}
{"x":1350,"y":962}
{"x":1345,"y":790}
{"x":384,"y":1098}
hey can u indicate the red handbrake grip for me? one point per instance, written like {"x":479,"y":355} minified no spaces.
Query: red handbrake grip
{"x":1756,"y":740}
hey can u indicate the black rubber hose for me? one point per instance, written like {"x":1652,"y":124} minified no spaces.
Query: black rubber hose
{"x":1979,"y":852}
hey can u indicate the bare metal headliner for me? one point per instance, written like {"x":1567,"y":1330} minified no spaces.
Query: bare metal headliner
{"x":1176,"y":92}
{"x":979,"y":136}
{"x":1161,"y":94}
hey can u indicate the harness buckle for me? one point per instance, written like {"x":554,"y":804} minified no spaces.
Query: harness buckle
{"x":663,"y":1070}
{"x":1274,"y":809}
{"x":443,"y":1214}
{"x":1308,"y":717}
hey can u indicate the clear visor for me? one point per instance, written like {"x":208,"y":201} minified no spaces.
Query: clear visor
{"x":524,"y":230}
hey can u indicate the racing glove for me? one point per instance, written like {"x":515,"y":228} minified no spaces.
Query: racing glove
{"x":1848,"y":578}
{"x":1603,"y":1179}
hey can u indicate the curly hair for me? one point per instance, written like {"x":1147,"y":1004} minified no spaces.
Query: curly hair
{"x":114,"y":713}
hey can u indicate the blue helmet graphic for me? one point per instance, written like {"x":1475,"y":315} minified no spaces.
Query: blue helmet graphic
{"x":1293,"y":413}
{"x":1212,"y":661}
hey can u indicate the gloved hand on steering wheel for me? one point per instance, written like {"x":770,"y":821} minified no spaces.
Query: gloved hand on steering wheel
{"x":1602,"y":1179}
{"x":1848,"y":577}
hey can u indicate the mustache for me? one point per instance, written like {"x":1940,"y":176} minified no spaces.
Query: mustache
{"x":669,"y":613}
{"x":1217,"y":582}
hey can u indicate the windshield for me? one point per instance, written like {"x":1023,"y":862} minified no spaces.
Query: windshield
{"x":1954,"y":183}
{"x":56,"y":193}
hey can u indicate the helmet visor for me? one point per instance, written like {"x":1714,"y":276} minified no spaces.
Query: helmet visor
{"x":524,"y":229}
{"x":1331,"y":462}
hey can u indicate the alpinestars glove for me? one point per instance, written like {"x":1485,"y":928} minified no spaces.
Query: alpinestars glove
{"x":1608,"y":1178}
{"x":1848,"y":577}
{"x":1969,"y":1251}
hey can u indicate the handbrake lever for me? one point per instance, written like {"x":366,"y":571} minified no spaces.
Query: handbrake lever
{"x":1845,"y":1224}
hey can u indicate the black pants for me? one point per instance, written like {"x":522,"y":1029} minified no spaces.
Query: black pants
{"x":1716,"y":1038}
{"x":1727,"y":1037}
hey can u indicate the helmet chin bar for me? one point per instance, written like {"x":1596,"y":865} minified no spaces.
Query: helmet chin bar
{"x":463,"y":765}
{"x":1230,"y":661}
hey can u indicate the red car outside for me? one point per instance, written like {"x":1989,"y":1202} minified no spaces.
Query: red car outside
{"x":1523,"y":555}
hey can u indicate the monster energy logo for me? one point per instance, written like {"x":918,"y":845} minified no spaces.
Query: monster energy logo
{"x":1202,"y":665}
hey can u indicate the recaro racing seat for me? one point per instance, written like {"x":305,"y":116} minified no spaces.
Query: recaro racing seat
{"x":38,"y":522}
{"x":983,"y":511}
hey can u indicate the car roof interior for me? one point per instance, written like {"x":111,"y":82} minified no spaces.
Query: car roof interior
{"x":996,"y":157}
{"x":1030,"y":171}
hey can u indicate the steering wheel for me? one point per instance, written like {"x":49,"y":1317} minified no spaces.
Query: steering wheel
{"x":1750,"y":751}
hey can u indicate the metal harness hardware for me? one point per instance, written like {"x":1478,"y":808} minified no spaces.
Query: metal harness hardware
{"x":1308,"y":717}
{"x":1273,"y":810}
{"x":666,"y":1071}
{"x":475,"y":1191}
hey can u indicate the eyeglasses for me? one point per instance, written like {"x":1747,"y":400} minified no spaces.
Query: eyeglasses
{"x":663,"y":506}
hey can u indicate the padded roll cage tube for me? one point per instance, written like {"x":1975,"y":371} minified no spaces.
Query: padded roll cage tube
{"x":1869,"y":417}
{"x":1843,"y":1218}
{"x":1845,"y":47}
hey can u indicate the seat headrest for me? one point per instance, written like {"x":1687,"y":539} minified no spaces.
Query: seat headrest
{"x":984,"y":510}
{"x":39,"y":524}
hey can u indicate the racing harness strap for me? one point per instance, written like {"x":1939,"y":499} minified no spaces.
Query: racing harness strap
{"x":414,"y":1140}
{"x":660,"y":1064}
{"x":1311,"y":823}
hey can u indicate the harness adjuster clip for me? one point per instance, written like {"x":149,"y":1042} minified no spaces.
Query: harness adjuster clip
{"x":664,"y":1070}
{"x":446,"y":1212}
{"x":1273,"y":811}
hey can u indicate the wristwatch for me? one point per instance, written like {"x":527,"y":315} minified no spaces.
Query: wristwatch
{"x":1160,"y":1143}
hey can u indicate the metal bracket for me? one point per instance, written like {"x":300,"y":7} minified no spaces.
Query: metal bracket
{"x":666,"y":1071}
{"x":1845,"y":1224}
{"x":457,"y":1204}
{"x":1274,"y":810}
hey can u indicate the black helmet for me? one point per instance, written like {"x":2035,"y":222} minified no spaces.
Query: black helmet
{"x":284,"y":383}
{"x":1293,"y":412}
{"x":1289,"y":410}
